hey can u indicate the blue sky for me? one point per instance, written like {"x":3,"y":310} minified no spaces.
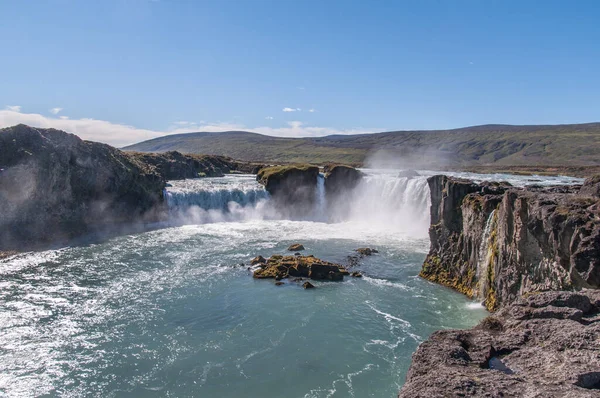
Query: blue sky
{"x":125,"y":70}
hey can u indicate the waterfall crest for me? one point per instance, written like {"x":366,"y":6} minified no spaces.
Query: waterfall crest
{"x":380,"y":200}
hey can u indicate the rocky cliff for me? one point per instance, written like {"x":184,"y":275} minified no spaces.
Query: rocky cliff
{"x":543,"y":345}
{"x":55,"y":186}
{"x":496,"y":242}
{"x":293,"y":187}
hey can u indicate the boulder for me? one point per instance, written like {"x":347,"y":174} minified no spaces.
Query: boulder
{"x":308,"y":285}
{"x":258,"y":260}
{"x":356,"y":274}
{"x":296,"y":247}
{"x":366,"y":251}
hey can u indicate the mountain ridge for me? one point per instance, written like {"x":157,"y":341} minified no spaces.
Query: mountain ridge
{"x":490,"y":144}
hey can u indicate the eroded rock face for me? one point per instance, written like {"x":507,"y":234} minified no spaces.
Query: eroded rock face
{"x":339,"y":179}
{"x":292,"y":188}
{"x":176,"y":166}
{"x":543,"y":345}
{"x":591,"y":187}
{"x":55,"y":186}
{"x":279,"y":267}
{"x":534,"y":239}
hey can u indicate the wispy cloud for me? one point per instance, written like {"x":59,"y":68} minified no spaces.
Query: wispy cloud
{"x":312,"y":110}
{"x":269,"y":117}
{"x":13,"y":108}
{"x":291,"y":109}
{"x":121,"y":134}
{"x":55,"y":111}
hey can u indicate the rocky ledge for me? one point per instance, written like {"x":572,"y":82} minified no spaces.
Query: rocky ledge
{"x":279,"y":267}
{"x":495,"y":242}
{"x":543,"y":345}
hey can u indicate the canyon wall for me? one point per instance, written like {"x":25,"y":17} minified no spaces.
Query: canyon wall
{"x":495,"y":242}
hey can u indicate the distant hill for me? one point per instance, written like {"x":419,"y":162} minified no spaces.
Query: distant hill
{"x":500,"y":145}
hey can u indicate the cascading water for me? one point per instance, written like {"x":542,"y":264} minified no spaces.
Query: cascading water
{"x":485,"y":255}
{"x":387,"y":201}
{"x":230,"y":198}
{"x":321,"y":199}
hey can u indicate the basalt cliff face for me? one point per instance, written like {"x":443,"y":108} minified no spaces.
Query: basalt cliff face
{"x":495,"y":242}
{"x":532,"y":254}
{"x":543,"y":345}
{"x":55,"y":186}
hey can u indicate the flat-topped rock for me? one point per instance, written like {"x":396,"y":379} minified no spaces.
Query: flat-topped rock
{"x":543,"y":345}
{"x":279,"y":267}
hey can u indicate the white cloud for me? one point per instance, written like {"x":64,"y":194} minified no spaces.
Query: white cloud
{"x":120,"y":134}
{"x":269,"y":118}
{"x":291,"y":109}
{"x":182,"y":123}
{"x":14,"y":108}
{"x":300,"y":88}
{"x":312,"y":110}
{"x":55,"y":111}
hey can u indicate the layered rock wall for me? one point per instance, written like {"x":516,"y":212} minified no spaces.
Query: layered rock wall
{"x":537,"y":239}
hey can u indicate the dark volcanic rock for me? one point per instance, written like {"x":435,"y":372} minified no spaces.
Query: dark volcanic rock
{"x":536,"y":239}
{"x":308,"y":285}
{"x":543,"y":345}
{"x":340,"y":179}
{"x":293,"y":188}
{"x":176,"y":166}
{"x":279,"y":267}
{"x":55,"y":186}
{"x":258,"y":260}
{"x":296,"y":247}
{"x":591,"y":186}
{"x":366,"y":251}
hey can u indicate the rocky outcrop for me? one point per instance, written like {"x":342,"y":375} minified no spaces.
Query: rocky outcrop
{"x":496,"y":242}
{"x":339,"y":179}
{"x":591,"y":186}
{"x":292,"y":188}
{"x":176,"y":166}
{"x":543,"y":345}
{"x":296,"y":247}
{"x":54,"y":186}
{"x":279,"y":267}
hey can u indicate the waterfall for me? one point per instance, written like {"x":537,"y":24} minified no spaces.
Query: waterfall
{"x":202,"y":200}
{"x":391,"y":202}
{"x":380,"y":201}
{"x":320,"y":199}
{"x":484,"y":257}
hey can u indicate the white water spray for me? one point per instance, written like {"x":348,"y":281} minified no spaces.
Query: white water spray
{"x":484,"y":257}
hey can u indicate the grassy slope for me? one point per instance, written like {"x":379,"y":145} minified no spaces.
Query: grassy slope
{"x":501,"y":145}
